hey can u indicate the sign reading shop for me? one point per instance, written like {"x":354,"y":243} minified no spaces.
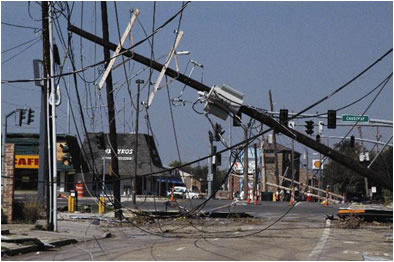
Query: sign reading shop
{"x":123,"y":154}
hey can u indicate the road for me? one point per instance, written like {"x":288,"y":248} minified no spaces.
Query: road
{"x":302,"y":234}
{"x":262,"y":208}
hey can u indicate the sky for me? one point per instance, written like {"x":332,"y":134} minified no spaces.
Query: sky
{"x":301,"y":51}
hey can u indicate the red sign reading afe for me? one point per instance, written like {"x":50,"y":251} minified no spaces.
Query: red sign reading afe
{"x":26,"y":161}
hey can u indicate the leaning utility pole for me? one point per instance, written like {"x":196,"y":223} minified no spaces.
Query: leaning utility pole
{"x":244,"y":109}
{"x":111,"y":117}
{"x":274,"y":141}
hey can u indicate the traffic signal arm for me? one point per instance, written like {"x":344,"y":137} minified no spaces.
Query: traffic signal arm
{"x":253,"y":113}
{"x":309,"y":142}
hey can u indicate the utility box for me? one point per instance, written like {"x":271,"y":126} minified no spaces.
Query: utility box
{"x":223,"y":99}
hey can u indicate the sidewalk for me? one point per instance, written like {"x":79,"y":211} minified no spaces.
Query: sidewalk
{"x":72,"y":228}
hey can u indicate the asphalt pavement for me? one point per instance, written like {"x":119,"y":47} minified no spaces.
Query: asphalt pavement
{"x":302,"y":229}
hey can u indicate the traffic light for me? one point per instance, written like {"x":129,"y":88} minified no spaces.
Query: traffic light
{"x":309,"y":127}
{"x":237,"y":119}
{"x":100,"y":140}
{"x":218,"y":159}
{"x":283,"y":116}
{"x":210,"y":136}
{"x":332,"y":119}
{"x":66,"y":158}
{"x":30,"y":116}
{"x":352,"y":141}
{"x":318,"y":138}
{"x":22,"y":115}
{"x":218,"y":132}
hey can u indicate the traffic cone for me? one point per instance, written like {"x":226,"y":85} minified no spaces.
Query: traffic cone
{"x":326,"y":204}
{"x":248,"y":201}
{"x":291,"y":197}
{"x":172,"y":194}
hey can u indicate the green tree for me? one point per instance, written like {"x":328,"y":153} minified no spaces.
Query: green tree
{"x":339,"y":176}
{"x":383,"y":166}
{"x":177,"y":163}
{"x":351,"y":182}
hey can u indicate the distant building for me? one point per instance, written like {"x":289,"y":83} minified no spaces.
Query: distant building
{"x":27,"y":161}
{"x":235,"y":181}
{"x":152,"y":177}
{"x":192,"y":184}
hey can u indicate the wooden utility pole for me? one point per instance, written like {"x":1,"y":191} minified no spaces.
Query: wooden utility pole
{"x":111,"y":117}
{"x":292,"y":163}
{"x":262,"y":166}
{"x":255,"y":173}
{"x":137,"y":113}
{"x":274,"y":141}
{"x":362,"y":146}
{"x":44,"y":166}
{"x":246,"y":164}
{"x":247,"y":110}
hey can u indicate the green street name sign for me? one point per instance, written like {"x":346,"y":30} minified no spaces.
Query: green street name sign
{"x":355,"y":118}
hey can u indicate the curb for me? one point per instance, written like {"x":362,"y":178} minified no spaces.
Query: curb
{"x":63,"y":242}
{"x":35,"y":248}
{"x":19,"y":251}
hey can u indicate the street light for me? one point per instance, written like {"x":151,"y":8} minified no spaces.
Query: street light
{"x":182,"y":53}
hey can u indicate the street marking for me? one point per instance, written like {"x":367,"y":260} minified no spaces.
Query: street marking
{"x":345,"y":251}
{"x":315,"y":254}
{"x":298,"y":203}
{"x":236,"y":232}
{"x":179,"y":249}
{"x":386,"y":254}
{"x":215,"y":239}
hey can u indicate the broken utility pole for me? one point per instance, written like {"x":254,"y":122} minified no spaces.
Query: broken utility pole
{"x":111,"y":118}
{"x":249,"y":111}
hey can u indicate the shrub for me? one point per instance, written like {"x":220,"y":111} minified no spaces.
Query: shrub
{"x":388,"y":197}
{"x":28,"y":211}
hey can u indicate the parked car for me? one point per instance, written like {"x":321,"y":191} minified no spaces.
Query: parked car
{"x":182,"y":192}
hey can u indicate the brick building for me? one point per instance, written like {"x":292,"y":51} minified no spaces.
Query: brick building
{"x":235,"y":181}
